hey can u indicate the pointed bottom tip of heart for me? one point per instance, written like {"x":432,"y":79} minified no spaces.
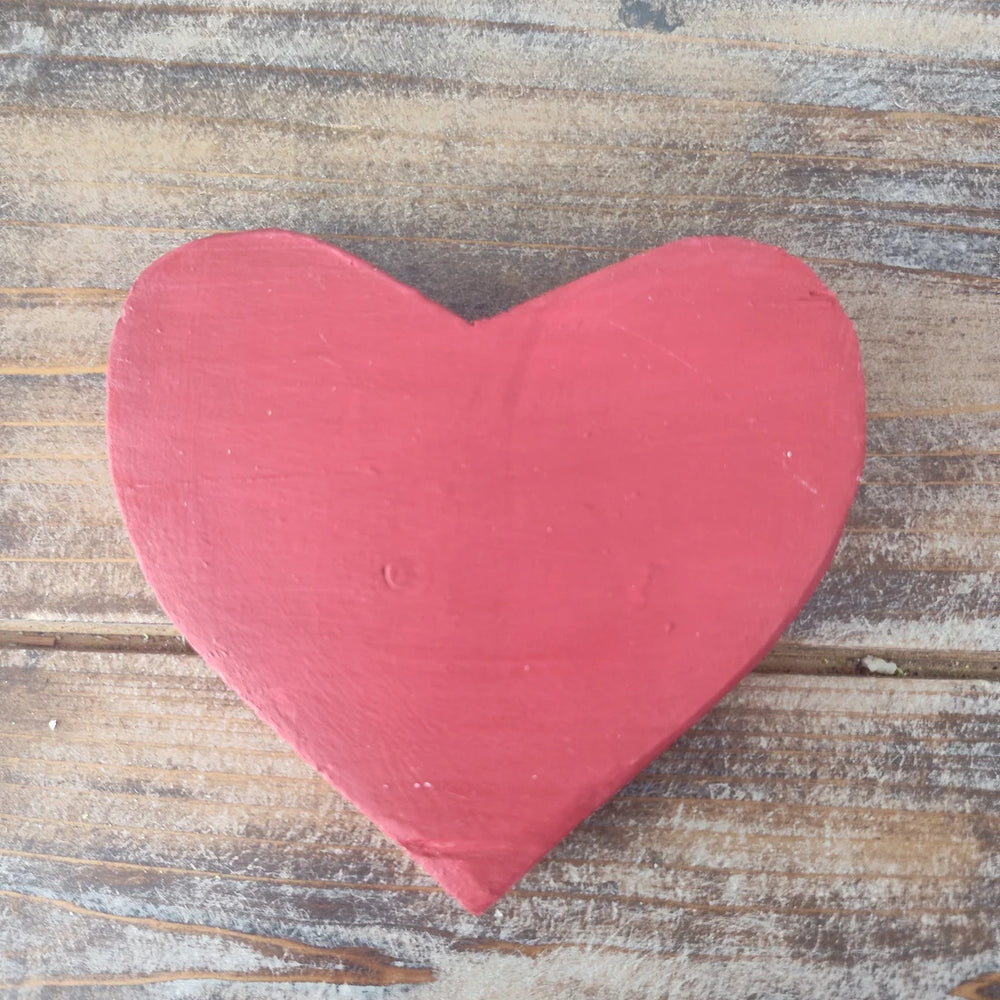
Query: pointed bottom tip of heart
{"x":476,"y":882}
{"x":471,"y":893}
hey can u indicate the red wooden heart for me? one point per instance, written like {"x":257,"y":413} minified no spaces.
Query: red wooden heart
{"x":479,"y":575}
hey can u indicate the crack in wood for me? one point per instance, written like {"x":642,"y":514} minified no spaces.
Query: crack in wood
{"x":785,"y":658}
{"x":354,"y":966}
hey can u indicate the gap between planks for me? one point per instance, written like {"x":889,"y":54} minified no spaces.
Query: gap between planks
{"x":785,"y":658}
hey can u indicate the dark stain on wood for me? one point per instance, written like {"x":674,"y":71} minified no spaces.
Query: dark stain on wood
{"x":985,"y":987}
{"x":639,"y":14}
{"x":346,"y":965}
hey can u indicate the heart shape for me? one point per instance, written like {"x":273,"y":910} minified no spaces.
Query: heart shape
{"x":479,"y":575}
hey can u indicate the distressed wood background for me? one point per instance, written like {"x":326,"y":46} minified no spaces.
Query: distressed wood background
{"x":820,"y":833}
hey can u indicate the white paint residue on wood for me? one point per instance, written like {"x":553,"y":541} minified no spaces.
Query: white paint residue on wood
{"x":876,"y":665}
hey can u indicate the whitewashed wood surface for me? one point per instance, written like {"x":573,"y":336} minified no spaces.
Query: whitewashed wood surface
{"x":820,"y":834}
{"x":485,"y":152}
{"x":810,"y":837}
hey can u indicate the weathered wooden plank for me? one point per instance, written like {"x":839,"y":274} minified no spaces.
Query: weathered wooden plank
{"x":929,"y":342}
{"x":109,"y":153}
{"x":547,"y":231}
{"x":776,"y":196}
{"x":896,"y":216}
{"x":431,"y":49}
{"x":918,"y":566}
{"x":295,"y":115}
{"x":979,"y":988}
{"x":940,"y":28}
{"x":808,"y":834}
{"x":943,"y":28}
{"x":831,"y":836}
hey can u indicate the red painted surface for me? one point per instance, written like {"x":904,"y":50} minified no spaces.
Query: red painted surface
{"x":479,"y":575}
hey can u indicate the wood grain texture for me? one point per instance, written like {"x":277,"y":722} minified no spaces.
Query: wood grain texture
{"x":981,"y":988}
{"x":831,"y":836}
{"x":811,"y":836}
{"x":484,"y":153}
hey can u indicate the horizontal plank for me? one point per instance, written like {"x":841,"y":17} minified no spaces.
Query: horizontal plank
{"x":473,"y":157}
{"x":808,"y":832}
{"x":928,"y":341}
{"x":439,"y":51}
{"x":552,"y":233}
{"x":917,"y":567}
{"x":486,"y":181}
{"x":30,"y":535}
{"x":302,"y":116}
{"x":960,"y":27}
{"x":389,"y":193}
